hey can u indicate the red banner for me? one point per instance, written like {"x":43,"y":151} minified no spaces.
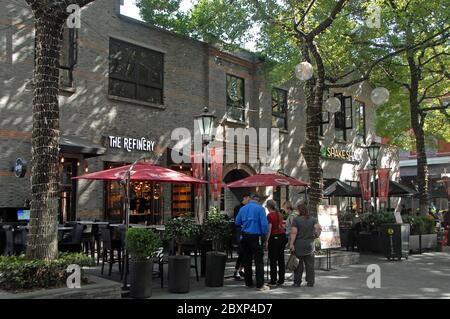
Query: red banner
{"x":383,"y":184}
{"x":216,"y":172}
{"x":197,"y":171}
{"x":364,"y":182}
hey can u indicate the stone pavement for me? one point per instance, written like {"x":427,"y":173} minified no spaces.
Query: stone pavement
{"x":421,"y":276}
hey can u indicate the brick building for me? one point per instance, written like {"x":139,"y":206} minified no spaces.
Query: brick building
{"x":123,"y":78}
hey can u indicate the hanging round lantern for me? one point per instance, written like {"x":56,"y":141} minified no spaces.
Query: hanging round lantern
{"x":333,"y":104}
{"x":304,"y":71}
{"x":379,"y":96}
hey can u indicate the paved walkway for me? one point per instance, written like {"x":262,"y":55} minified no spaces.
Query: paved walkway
{"x":421,"y":276}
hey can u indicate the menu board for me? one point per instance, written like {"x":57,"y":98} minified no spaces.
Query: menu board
{"x":328,"y":220}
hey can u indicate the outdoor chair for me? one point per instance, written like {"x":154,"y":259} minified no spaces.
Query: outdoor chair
{"x":108,"y":247}
{"x":9,"y":241}
{"x":88,"y":241}
{"x":72,"y":243}
{"x":190,"y":248}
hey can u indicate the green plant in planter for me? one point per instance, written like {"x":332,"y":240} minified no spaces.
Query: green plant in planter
{"x":181,"y":229}
{"x":421,"y":225}
{"x":142,"y":243}
{"x":18,"y":273}
{"x":216,"y":227}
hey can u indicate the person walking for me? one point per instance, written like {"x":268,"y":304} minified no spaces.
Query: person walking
{"x":304,"y":230}
{"x":252,"y":218}
{"x":239,"y":267}
{"x":276,"y":243}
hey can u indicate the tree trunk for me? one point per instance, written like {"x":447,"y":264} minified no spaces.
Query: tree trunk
{"x":42,"y":239}
{"x":417,"y":126}
{"x":314,"y":89}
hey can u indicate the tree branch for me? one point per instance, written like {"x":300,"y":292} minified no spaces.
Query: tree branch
{"x":434,"y":108}
{"x":424,"y":95}
{"x":328,"y":21}
{"x":304,"y":14}
{"x":378,"y":61}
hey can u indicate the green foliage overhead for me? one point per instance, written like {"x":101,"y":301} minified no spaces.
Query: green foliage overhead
{"x":348,"y":44}
{"x":142,"y":243}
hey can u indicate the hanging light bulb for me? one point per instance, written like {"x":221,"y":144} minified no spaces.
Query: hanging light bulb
{"x":333,"y":104}
{"x":304,"y":71}
{"x":62,"y":159}
{"x":379,"y":96}
{"x":78,"y":163}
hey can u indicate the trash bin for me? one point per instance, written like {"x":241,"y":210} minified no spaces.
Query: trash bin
{"x":395,"y":240}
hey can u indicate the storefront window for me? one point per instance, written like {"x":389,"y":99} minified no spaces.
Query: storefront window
{"x":360,"y":121}
{"x":343,"y":120}
{"x":135,"y":72}
{"x":68,"y":56}
{"x":279,"y":109}
{"x":145,"y":201}
{"x":235,"y":98}
{"x":68,"y":169}
{"x":182,"y":195}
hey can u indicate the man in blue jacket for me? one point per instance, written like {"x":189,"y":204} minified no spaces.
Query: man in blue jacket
{"x":252,"y":218}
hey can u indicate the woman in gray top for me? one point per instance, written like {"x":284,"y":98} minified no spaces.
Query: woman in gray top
{"x":304,"y":231}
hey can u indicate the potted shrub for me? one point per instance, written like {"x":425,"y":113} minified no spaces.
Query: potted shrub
{"x":180,"y":229}
{"x":216,"y":227}
{"x":142,"y":244}
{"x":423,"y":233}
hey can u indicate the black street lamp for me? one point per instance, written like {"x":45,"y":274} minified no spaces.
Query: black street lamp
{"x":374,"y":150}
{"x":205,"y":122}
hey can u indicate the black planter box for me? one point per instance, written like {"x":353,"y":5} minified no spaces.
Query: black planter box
{"x":215,"y":268}
{"x":395,"y":240}
{"x":141,"y":273}
{"x":179,"y":274}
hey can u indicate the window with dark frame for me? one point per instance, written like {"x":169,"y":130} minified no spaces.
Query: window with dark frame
{"x":279,"y":109}
{"x":135,"y":72}
{"x":343,"y":120}
{"x":360,"y":121}
{"x":68,"y":57}
{"x":235,"y":98}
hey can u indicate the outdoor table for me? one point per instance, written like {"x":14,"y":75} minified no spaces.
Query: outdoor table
{"x":89,"y":222}
{"x":61,"y":230}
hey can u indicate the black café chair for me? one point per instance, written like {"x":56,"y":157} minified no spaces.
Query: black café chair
{"x":191,"y":248}
{"x":109,"y":246}
{"x":9,"y":241}
{"x":72,"y":243}
{"x":88,"y":241}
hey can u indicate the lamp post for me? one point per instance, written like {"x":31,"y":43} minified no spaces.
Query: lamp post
{"x":205,"y":122}
{"x":127,"y":179}
{"x":374,"y":150}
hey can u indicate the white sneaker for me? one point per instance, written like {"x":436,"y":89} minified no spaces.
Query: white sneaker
{"x":263,"y":288}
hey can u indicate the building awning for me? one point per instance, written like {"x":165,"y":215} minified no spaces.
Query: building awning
{"x":335,"y":187}
{"x":77,"y":145}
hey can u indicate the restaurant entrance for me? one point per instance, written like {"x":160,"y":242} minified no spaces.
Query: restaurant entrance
{"x":67,"y":200}
{"x":146,"y":201}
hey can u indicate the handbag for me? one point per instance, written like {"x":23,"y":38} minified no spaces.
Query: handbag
{"x":292,"y":262}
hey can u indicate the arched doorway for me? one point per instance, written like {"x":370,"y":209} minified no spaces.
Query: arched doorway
{"x":231,"y":197}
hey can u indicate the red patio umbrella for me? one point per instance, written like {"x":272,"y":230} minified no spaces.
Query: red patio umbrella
{"x":260,"y":180}
{"x":143,"y":172}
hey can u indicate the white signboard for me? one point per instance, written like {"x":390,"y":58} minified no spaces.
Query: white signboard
{"x":328,"y":220}
{"x":129,"y":144}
